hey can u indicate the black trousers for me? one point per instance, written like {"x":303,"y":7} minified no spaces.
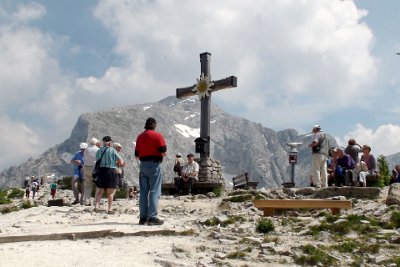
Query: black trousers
{"x":180,"y":183}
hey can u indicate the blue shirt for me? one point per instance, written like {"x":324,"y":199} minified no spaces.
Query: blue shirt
{"x":78,"y":156}
{"x":110,"y":157}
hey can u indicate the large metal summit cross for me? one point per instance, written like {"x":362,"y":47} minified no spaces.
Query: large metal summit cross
{"x":204,"y":88}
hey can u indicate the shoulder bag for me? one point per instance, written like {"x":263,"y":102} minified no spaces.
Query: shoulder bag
{"x":95,"y":171}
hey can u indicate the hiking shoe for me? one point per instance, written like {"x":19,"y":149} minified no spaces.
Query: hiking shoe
{"x":142,"y":221}
{"x":155,"y":221}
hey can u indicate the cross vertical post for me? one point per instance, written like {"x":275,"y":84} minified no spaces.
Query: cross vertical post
{"x":204,"y":88}
{"x":205,"y":116}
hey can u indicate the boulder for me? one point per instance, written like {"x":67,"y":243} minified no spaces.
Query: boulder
{"x":393,"y":197}
{"x":348,"y":192}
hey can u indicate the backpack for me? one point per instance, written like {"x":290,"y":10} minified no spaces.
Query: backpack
{"x":178,"y":168}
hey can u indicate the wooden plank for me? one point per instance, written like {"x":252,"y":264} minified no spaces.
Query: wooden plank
{"x":61,"y":236}
{"x":302,"y":203}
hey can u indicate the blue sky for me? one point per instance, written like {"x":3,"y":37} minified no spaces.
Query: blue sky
{"x":298,"y":63}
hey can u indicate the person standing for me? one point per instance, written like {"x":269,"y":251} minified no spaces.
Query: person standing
{"x":353,"y":149}
{"x":106,"y":180}
{"x":27,"y":191}
{"x":34,"y":186}
{"x":90,"y":162}
{"x":78,"y":160}
{"x":53,"y":189}
{"x":320,"y":151}
{"x":150,"y":150}
{"x":119,"y":172}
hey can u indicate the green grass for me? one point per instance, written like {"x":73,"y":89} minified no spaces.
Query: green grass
{"x":214,"y":221}
{"x":314,"y":256}
{"x":352,"y":223}
{"x":27,"y":204}
{"x":395,"y":219}
{"x":218,"y":191}
{"x":347,"y":246}
{"x":16,"y":193}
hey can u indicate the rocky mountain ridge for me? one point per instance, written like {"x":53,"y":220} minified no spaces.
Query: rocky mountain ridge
{"x":239,"y":144}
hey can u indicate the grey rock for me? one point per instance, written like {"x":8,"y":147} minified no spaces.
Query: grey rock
{"x":393,"y":194}
{"x":238,"y":144}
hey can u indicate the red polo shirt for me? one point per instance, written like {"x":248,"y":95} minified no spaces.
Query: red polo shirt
{"x":150,"y":145}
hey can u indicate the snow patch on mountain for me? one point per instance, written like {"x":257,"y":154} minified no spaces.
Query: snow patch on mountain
{"x":186,"y":131}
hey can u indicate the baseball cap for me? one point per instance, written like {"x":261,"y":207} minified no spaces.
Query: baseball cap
{"x":107,"y":139}
{"x":190,"y":155}
{"x":316,"y":126}
{"x":178,"y":154}
{"x":150,"y":121}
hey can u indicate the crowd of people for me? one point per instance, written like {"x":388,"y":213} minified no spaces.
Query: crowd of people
{"x":32,"y":185}
{"x":104,"y":159}
{"x":343,"y":166}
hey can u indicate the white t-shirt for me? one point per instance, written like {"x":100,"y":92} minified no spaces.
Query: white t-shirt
{"x":90,"y":155}
{"x":190,"y":168}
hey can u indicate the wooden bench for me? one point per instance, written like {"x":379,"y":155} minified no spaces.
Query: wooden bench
{"x":269,"y":205}
{"x":197,"y":187}
{"x":242,"y":181}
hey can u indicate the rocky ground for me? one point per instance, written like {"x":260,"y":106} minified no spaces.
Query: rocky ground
{"x":205,"y":230}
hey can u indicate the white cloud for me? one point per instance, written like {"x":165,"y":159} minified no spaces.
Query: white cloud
{"x":28,"y":12}
{"x":285,"y":53}
{"x":18,"y":141}
{"x":296,"y":61}
{"x":384,"y":140}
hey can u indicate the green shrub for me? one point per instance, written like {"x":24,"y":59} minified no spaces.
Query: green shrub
{"x":369,"y":248}
{"x":26,"y":205}
{"x":121,"y":193}
{"x":384,"y":172}
{"x":211,"y":221}
{"x":264,"y":225}
{"x":4,"y":200}
{"x":65,"y":183}
{"x":16,"y":193}
{"x":217,"y":191}
{"x":236,"y":255}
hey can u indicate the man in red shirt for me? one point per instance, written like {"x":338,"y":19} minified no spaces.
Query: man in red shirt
{"x":150,"y":150}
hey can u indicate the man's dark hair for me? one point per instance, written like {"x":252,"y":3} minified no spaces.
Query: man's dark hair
{"x":150,"y":124}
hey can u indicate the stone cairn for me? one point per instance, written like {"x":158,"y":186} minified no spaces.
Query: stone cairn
{"x":210,"y":170}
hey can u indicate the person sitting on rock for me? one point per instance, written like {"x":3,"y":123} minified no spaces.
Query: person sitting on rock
{"x":189,"y":174}
{"x":343,"y":163}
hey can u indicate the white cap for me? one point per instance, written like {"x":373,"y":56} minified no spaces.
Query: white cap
{"x":178,"y":154}
{"x":117,"y":145}
{"x":94,"y":141}
{"x":83,"y":145}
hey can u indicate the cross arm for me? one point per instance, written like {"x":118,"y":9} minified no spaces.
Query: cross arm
{"x":228,"y":82}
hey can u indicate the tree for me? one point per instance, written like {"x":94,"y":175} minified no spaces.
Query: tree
{"x":384,"y":172}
